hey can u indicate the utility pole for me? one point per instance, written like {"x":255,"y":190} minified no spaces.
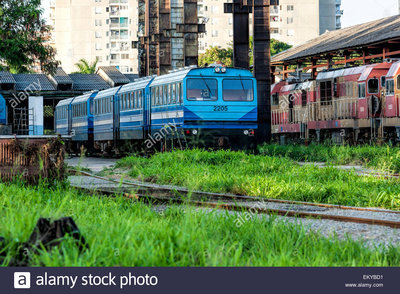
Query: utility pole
{"x":261,"y":53}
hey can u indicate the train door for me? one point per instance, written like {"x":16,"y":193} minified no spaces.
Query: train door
{"x":116,"y":118}
{"x":147,"y":112}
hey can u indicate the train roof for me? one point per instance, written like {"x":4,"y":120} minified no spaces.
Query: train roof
{"x":179,"y":75}
{"x":393,"y":70}
{"x":65,"y":102}
{"x":84,"y":97}
{"x":107,"y":93}
{"x":325,"y":75}
{"x":139,"y":84}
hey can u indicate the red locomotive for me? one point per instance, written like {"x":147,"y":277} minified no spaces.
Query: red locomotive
{"x":354,"y":105}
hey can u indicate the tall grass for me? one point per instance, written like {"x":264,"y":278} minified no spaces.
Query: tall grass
{"x":385,"y":158}
{"x":271,"y":177}
{"x":120,"y":232}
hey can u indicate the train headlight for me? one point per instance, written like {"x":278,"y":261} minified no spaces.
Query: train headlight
{"x":245,"y":132}
{"x":194,"y":132}
{"x":223,"y":70}
{"x":217,"y":69}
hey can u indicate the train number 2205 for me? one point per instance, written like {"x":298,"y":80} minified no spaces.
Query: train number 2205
{"x":220,"y":108}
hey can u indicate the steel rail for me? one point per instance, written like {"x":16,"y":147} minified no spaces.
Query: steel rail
{"x":166,"y":197}
{"x":234,"y":197}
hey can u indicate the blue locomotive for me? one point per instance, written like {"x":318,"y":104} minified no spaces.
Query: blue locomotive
{"x":201,"y":107}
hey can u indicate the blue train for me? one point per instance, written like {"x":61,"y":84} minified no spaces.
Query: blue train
{"x":200,"y":107}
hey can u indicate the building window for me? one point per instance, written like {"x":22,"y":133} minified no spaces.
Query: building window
{"x":98,"y":46}
{"x":98,"y":22}
{"x":99,"y":58}
{"x":98,"y":34}
{"x":214,"y":33}
{"x":124,"y":56}
{"x":290,"y":33}
{"x":289,"y":20}
{"x":97,"y":10}
{"x":274,"y":18}
{"x":274,"y":31}
{"x":290,"y":7}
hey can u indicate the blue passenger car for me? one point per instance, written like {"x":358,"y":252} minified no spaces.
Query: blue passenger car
{"x":133,"y":118}
{"x":63,"y":117}
{"x":82,"y":120}
{"x":106,"y":115}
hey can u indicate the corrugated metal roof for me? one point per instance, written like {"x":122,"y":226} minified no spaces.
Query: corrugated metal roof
{"x":61,"y":77}
{"x":33,"y":82}
{"x":6,"y":78}
{"x":355,"y":36}
{"x":324,"y":75}
{"x":84,"y":82}
{"x":114,"y":74}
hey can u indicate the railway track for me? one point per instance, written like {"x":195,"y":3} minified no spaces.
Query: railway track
{"x":178,"y":195}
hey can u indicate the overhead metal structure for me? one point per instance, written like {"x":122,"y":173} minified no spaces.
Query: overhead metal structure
{"x":168,"y":35}
{"x":361,"y":44}
{"x":241,"y":10}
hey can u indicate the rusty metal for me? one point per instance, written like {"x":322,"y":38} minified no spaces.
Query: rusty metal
{"x":155,"y":192}
{"x":31,"y":159}
{"x":168,"y":35}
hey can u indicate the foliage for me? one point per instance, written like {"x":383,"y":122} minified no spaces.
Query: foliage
{"x":382,"y":158}
{"x":265,"y":176}
{"x":121,"y":232}
{"x":24,"y":37}
{"x":216,"y":55}
{"x":225,"y":56}
{"x":276,"y":47}
{"x":85,"y":67}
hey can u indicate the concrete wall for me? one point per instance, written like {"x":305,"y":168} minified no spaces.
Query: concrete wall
{"x":82,"y":29}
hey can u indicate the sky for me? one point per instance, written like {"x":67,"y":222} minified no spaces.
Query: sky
{"x":360,"y":11}
{"x":355,"y":11}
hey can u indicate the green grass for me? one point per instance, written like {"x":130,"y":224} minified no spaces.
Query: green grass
{"x":385,"y":158}
{"x":120,"y":232}
{"x":271,"y":177}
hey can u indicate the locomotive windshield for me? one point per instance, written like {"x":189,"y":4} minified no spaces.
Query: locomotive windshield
{"x":238,"y":90}
{"x":373,"y":86}
{"x":202,"y":89}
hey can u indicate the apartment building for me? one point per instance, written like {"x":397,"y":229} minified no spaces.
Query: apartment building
{"x":293,"y":21}
{"x":90,"y":29}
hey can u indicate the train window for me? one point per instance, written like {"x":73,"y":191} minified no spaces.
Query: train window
{"x":202,"y":89}
{"x":303,"y":98}
{"x":173,"y":93}
{"x":373,"y":86}
{"x":140,"y":98}
{"x":389,"y":87}
{"x":398,"y":82}
{"x":361,"y":90}
{"x":237,"y":90}
{"x":134,"y":100}
{"x":165,"y":99}
{"x":275,"y":99}
{"x":383,"y":81}
{"x":326,"y":92}
{"x":180,"y":93}
{"x":131,"y":100}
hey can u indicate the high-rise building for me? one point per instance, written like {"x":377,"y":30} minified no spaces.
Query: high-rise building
{"x":292,"y":21}
{"x":90,"y":29}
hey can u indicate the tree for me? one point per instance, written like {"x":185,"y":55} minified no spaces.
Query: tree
{"x":225,"y":56}
{"x":24,"y":37}
{"x":87,"y":68}
{"x":216,"y":55}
